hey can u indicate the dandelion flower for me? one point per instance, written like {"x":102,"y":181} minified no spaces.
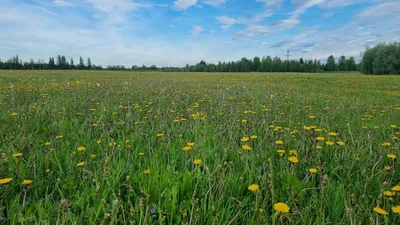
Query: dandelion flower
{"x":186,"y":148}
{"x":312,"y":117}
{"x":391,"y":156}
{"x":246,"y":148}
{"x":146,"y":172}
{"x":98,"y":142}
{"x":396,"y":209}
{"x":5,"y":180}
{"x":313,"y":170}
{"x":386,"y":144}
{"x":389,"y":193}
{"x":380,"y":211}
{"x":320,"y":139}
{"x":16,"y":155}
{"x":387,"y":168}
{"x":80,"y":164}
{"x":279,"y":142}
{"x":396,"y":188}
{"x":47,"y":143}
{"x":332,"y":134}
{"x":141,"y":153}
{"x":293,"y":159}
{"x":253,"y":137}
{"x":244,"y":121}
{"x":281,"y":152}
{"x":159,"y":135}
{"x":244,"y":139}
{"x":26,"y":182}
{"x":329,"y":143}
{"x":197,"y":161}
{"x":59,"y":136}
{"x":340,"y":143}
{"x":14,"y":114}
{"x":93,"y":156}
{"x":318,"y":147}
{"x":81,"y":149}
{"x":190,"y":144}
{"x":281,"y":207}
{"x":254,"y":187}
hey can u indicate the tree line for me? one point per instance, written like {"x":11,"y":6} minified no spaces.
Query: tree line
{"x":264,"y":64}
{"x":381,"y":59}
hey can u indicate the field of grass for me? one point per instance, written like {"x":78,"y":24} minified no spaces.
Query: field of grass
{"x":196,"y":148}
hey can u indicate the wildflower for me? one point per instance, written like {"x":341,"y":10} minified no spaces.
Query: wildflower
{"x":176,"y":121}
{"x":318,"y":147}
{"x":396,"y":188}
{"x":244,"y":121}
{"x":80,"y":164}
{"x":391,"y":156}
{"x":312,"y":117}
{"x":14,"y":114}
{"x":26,"y":182}
{"x":146,"y":172}
{"x":93,"y":156}
{"x":389,"y":193}
{"x":320,"y":139}
{"x":16,"y":155}
{"x":59,"y":136}
{"x":386,"y":144}
{"x":293,"y":159}
{"x":190,"y":144}
{"x":380,"y":211}
{"x":393,"y":126}
{"x":253,"y":137}
{"x":246,"y":148}
{"x":313,"y":170}
{"x":5,"y":180}
{"x":244,"y":139}
{"x":281,"y":207}
{"x":186,"y":148}
{"x":387,"y":168}
{"x":281,"y":152}
{"x":81,"y":149}
{"x":47,"y":170}
{"x":47,"y":143}
{"x":141,"y":154}
{"x":279,"y":142}
{"x":396,"y":209}
{"x":329,"y":143}
{"x":332,"y":134}
{"x":293,"y":152}
{"x":98,"y":142}
{"x":197,"y":161}
{"x":254,"y":187}
{"x":340,"y":143}
{"x":159,"y":135}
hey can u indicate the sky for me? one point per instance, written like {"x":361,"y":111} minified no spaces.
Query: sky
{"x":180,"y":32}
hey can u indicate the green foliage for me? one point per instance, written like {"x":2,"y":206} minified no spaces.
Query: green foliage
{"x":381,"y":59}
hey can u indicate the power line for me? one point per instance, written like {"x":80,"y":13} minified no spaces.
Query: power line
{"x":288,"y":55}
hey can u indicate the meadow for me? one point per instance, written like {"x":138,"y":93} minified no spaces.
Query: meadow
{"x":95,"y":147}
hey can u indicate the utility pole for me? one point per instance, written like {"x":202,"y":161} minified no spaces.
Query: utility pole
{"x":288,"y":55}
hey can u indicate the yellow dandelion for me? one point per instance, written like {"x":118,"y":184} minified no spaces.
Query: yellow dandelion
{"x":279,"y":142}
{"x":387,"y":168}
{"x":146,"y":172}
{"x":80,"y":164}
{"x":396,"y":188}
{"x":14,"y":114}
{"x":197,"y":161}
{"x":17,"y":155}
{"x":244,"y":121}
{"x":293,"y":159}
{"x":47,"y":143}
{"x":396,"y":209}
{"x":59,"y":136}
{"x":293,"y":152}
{"x":244,"y":139}
{"x":246,"y":148}
{"x":253,"y":137}
{"x":318,"y":147}
{"x":190,"y":144}
{"x":81,"y":148}
{"x":332,"y":134}
{"x":93,"y":156}
{"x":312,"y":117}
{"x":320,"y":139}
{"x":389,"y":193}
{"x":47,"y":170}
{"x":386,"y":144}
{"x":313,"y":170}
{"x":391,"y":156}
{"x":281,"y":207}
{"x":159,"y":135}
{"x":393,"y":126}
{"x":98,"y":142}
{"x":27,"y":182}
{"x":340,"y":143}
{"x":254,"y":187}
{"x":329,"y":143}
{"x":380,"y":211}
{"x":281,"y":152}
{"x":5,"y":180}
{"x":186,"y":148}
{"x":141,"y":153}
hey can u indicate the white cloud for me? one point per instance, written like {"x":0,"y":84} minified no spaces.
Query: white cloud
{"x":196,"y":31}
{"x":273,"y":4}
{"x":184,"y":4}
{"x":226,"y":22}
{"x":62,"y":3}
{"x":386,"y":9}
{"x":214,"y":2}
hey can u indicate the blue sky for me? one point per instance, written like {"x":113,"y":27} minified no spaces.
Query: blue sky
{"x":177,"y":32}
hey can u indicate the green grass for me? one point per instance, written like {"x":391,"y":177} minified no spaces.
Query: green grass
{"x":126,"y":111}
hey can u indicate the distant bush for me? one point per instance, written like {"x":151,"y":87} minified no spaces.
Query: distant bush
{"x":381,"y":59}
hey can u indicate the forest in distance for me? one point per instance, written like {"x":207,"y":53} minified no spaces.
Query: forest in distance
{"x":381,"y":59}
